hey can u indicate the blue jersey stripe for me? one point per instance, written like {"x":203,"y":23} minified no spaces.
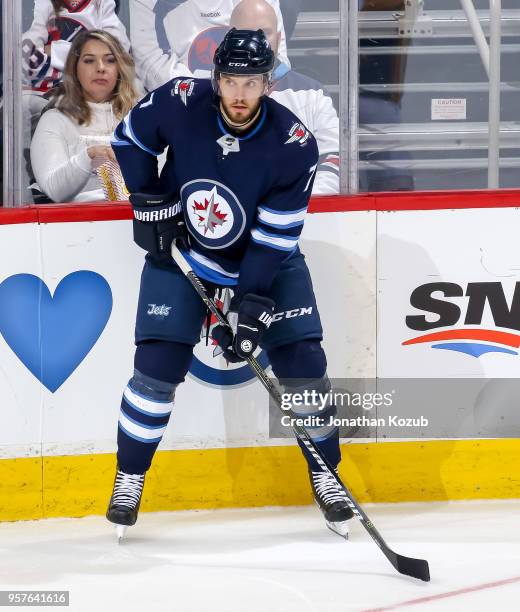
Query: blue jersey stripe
{"x":282,"y":212}
{"x":209,"y":274}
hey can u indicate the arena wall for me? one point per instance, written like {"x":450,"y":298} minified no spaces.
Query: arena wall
{"x":69,"y":280}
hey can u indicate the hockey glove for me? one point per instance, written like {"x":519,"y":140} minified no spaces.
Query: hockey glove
{"x":158,"y":221}
{"x":249,"y":322}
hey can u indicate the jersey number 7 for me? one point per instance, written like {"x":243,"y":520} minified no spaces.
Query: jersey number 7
{"x":312,"y":170}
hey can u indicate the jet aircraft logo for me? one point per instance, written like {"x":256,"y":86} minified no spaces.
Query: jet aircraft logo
{"x":183,"y":88}
{"x":298,"y":133}
{"x":208,"y":214}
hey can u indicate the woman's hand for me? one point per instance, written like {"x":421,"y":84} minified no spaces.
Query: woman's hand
{"x":101,"y":153}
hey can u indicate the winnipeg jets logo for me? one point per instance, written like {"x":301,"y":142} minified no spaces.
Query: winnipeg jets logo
{"x":298,"y":133}
{"x":214,"y":215}
{"x":183,"y":88}
{"x":210,"y":217}
{"x":159,"y":311}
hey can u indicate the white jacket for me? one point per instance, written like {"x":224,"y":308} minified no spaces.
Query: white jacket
{"x":59,"y":158}
{"x":307,"y":99}
{"x":45,"y":71}
{"x":173,"y":38}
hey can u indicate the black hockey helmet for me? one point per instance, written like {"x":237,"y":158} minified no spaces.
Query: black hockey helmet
{"x":243,"y":52}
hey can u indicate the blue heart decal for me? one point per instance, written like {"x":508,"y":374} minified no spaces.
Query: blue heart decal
{"x":52,"y":335}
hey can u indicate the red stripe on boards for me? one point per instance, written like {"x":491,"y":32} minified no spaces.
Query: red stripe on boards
{"x":391,"y":201}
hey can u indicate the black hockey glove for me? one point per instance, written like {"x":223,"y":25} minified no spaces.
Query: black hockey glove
{"x":158,"y":221}
{"x":249,"y":321}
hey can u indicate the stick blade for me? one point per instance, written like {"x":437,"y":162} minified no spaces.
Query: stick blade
{"x":417,"y":568}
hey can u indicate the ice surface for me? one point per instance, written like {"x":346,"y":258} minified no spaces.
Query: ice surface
{"x":271,"y":560}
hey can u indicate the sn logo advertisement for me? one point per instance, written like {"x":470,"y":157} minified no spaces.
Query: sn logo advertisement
{"x":467,"y":333}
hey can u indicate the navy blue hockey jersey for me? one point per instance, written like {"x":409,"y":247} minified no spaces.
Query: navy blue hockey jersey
{"x":244,"y":198}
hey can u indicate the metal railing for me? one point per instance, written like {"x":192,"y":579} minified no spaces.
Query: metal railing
{"x":12,"y":111}
{"x":414,"y":22}
{"x":495,"y":9}
{"x":384,"y":24}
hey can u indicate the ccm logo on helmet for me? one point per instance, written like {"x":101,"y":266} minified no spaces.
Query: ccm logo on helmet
{"x":238,"y":64}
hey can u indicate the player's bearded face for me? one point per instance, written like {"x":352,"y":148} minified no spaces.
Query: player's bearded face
{"x":240,"y":95}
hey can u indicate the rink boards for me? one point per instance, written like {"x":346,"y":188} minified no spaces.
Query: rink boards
{"x":69,"y":280}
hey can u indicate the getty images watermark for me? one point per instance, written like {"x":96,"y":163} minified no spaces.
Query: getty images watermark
{"x":357,"y":413}
{"x":310,"y":409}
{"x":400,"y":408}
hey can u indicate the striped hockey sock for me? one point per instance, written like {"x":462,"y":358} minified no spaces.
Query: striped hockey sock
{"x":145,"y":411}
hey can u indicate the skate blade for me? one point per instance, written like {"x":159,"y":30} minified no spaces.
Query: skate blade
{"x":341,"y":528}
{"x":121,"y":532}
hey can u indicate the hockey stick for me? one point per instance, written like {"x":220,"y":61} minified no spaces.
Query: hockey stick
{"x":417,"y":568}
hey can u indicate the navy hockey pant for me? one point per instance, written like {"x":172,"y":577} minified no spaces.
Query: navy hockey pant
{"x":169,"y":322}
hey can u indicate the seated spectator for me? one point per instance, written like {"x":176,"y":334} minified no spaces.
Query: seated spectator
{"x":73,"y":136}
{"x":172,"y":38}
{"x":47,"y":42}
{"x":305,"y":97}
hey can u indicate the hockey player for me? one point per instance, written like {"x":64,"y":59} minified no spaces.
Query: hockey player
{"x":238,"y":175}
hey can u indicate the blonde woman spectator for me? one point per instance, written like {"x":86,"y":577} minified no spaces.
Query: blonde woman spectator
{"x":47,"y":42}
{"x":171,"y":38}
{"x":72,"y":138}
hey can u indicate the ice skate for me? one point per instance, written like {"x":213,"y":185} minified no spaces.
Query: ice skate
{"x":331,"y":501}
{"x":123,"y":507}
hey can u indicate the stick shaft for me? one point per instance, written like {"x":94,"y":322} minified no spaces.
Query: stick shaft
{"x":299,"y":430}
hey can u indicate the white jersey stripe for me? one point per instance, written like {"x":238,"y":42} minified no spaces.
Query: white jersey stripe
{"x":147,"y":406}
{"x":276,"y":241}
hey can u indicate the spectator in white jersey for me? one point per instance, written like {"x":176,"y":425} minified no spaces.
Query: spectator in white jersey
{"x":72,"y":139}
{"x":172,"y":38}
{"x":47,"y":42}
{"x":305,"y":97}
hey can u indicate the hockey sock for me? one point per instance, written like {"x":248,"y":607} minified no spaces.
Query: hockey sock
{"x":301,"y":367}
{"x":329,"y":448}
{"x":318,"y":406}
{"x":145,"y":411}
